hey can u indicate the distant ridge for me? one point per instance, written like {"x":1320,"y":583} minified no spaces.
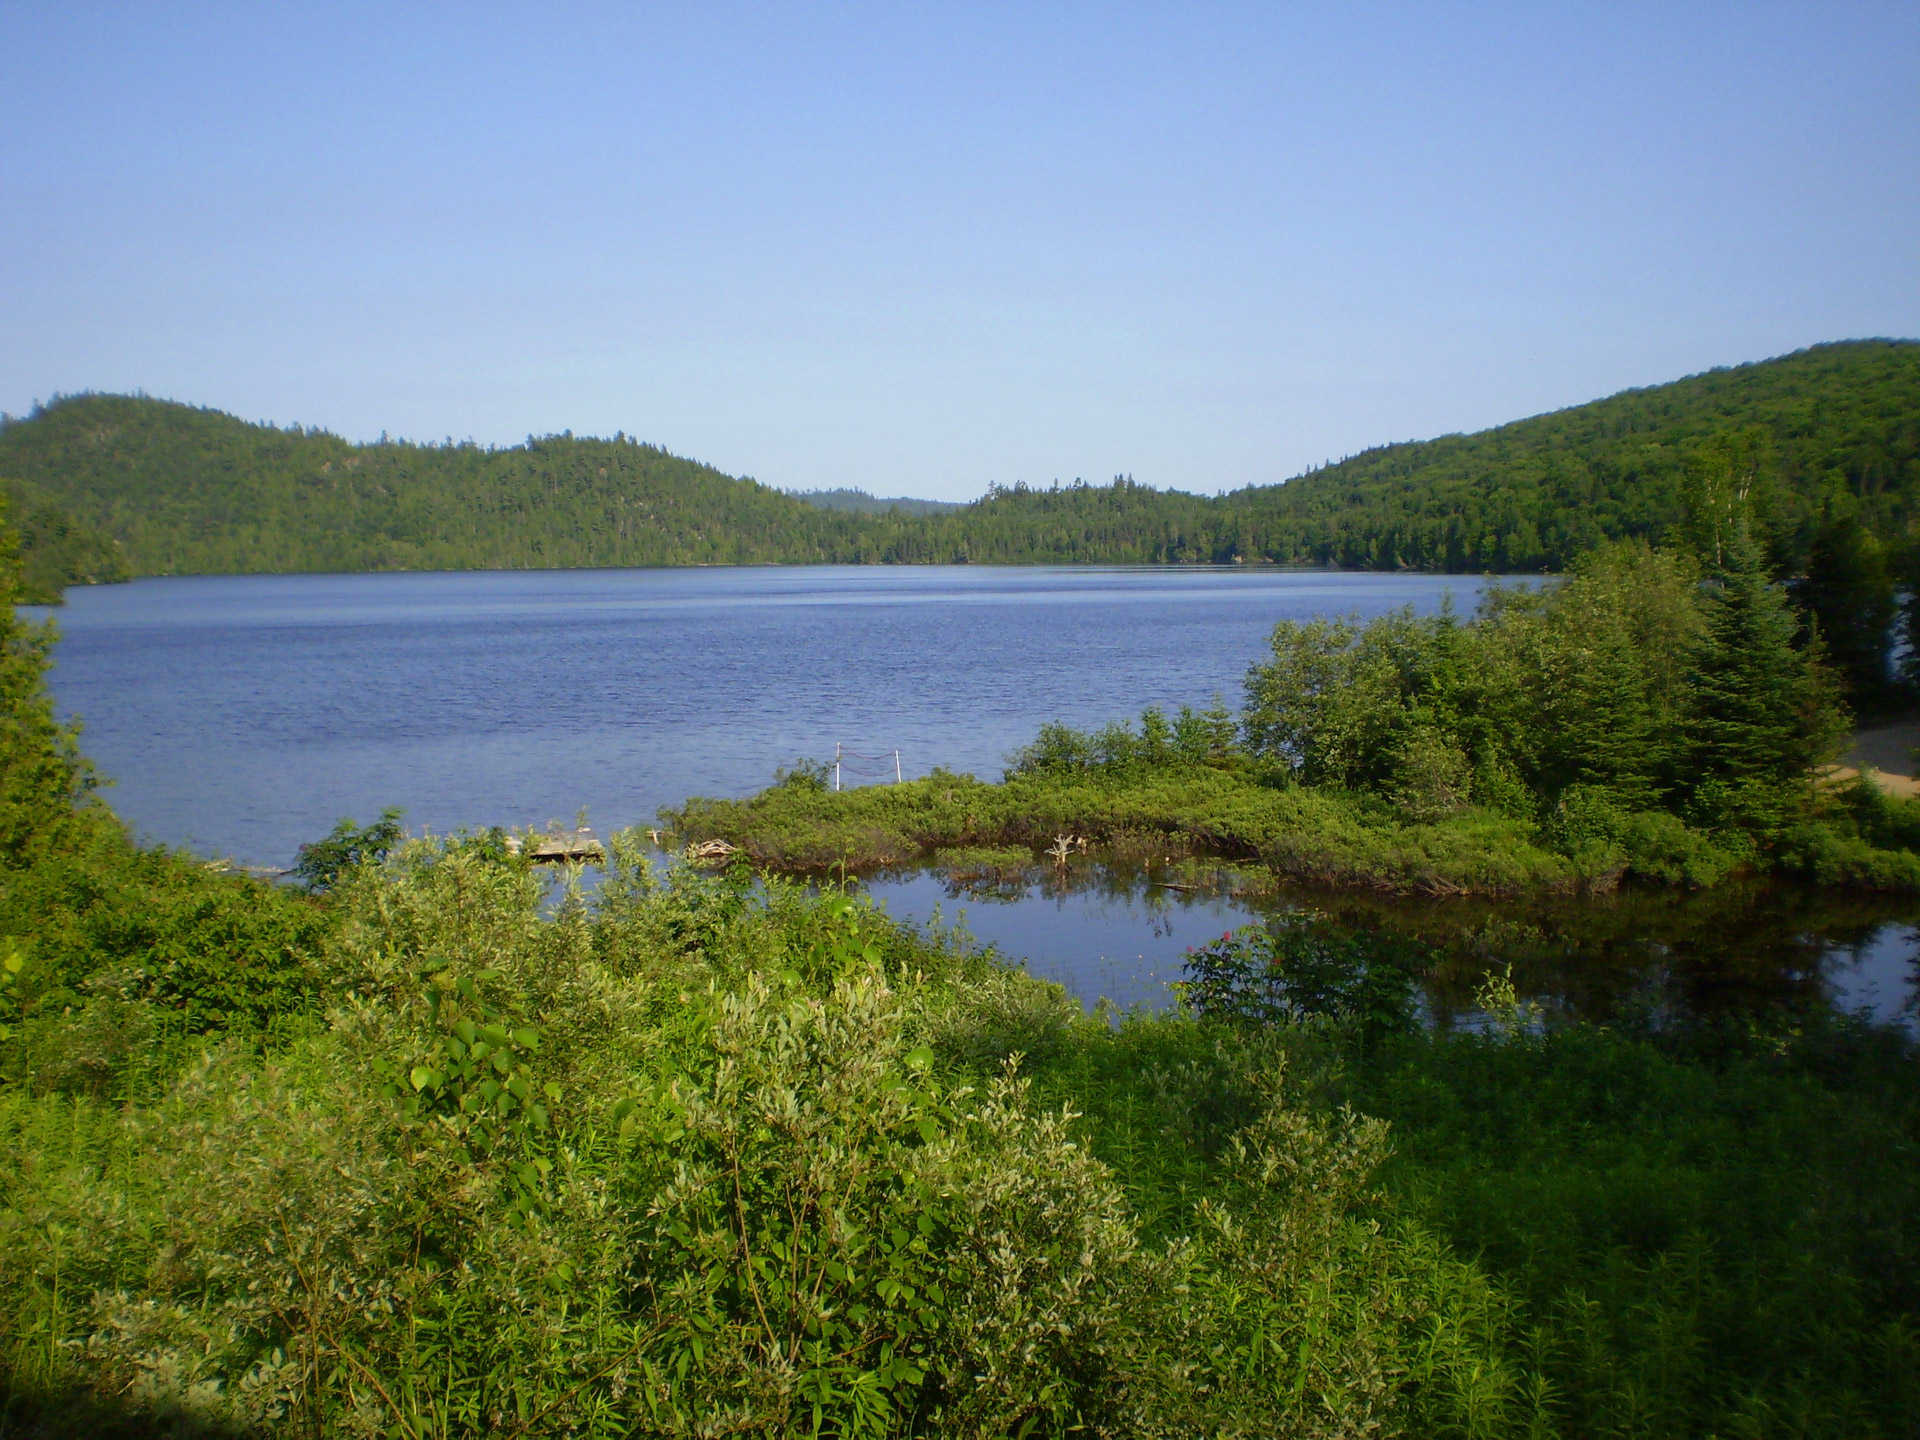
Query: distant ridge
{"x":859,"y":502}
{"x":165,"y":488}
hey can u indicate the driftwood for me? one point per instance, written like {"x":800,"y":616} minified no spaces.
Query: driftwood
{"x":1065,"y":845}
{"x":234,"y":867}
{"x":712,"y":850}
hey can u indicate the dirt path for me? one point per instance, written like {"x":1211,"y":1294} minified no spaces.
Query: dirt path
{"x":1887,"y":750}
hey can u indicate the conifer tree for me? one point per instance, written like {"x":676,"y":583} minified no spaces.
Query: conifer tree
{"x":1765,"y":711}
{"x":1848,"y":592}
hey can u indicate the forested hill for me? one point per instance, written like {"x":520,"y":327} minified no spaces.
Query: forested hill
{"x":1834,"y":430}
{"x":187,"y":490}
{"x":1838,"y":428}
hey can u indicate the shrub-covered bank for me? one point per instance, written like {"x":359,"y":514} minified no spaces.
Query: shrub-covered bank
{"x":705,"y":1156}
{"x":1174,"y":810}
{"x":1657,"y":715}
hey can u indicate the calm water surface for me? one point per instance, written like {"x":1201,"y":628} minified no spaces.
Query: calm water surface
{"x":242,"y":715}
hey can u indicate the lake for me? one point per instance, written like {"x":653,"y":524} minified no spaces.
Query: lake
{"x":242,"y":715}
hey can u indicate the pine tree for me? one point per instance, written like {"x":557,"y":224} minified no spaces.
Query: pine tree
{"x":1764,"y":710}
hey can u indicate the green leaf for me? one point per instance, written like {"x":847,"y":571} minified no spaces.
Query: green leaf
{"x":919,"y":1059}
{"x":423,"y":1077}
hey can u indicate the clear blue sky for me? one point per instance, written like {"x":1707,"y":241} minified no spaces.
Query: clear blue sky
{"x":920,"y":249}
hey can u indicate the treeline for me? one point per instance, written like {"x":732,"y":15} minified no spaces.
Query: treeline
{"x":1831,"y":437}
{"x":860,"y":502}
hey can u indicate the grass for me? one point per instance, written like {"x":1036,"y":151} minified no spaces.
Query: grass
{"x":1300,"y":834}
{"x":1857,"y":837}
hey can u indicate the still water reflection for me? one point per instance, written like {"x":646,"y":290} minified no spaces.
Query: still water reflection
{"x":1118,"y":931}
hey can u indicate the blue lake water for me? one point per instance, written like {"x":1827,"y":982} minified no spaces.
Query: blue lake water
{"x":243,"y":715}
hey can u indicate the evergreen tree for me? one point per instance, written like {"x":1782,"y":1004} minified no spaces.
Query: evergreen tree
{"x":1764,"y":710}
{"x":1848,"y":592}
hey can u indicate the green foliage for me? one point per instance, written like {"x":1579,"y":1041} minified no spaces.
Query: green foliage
{"x":1535,"y":494}
{"x":443,"y":1153}
{"x":42,"y":776}
{"x":1848,"y":593}
{"x":131,"y":958}
{"x":57,"y":550}
{"x":775,"y":1200}
{"x":321,"y":863}
{"x":805,"y":774}
{"x":117,"y":957}
{"x":1763,"y":712}
{"x":1193,"y":737}
{"x":1707,"y":1246}
{"x":1614,"y":706}
{"x":1631,"y":720}
{"x":1316,"y":835}
{"x":787,"y":1177}
{"x":182,"y":490}
{"x":861,"y":503}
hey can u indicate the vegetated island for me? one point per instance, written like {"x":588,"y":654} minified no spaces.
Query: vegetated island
{"x":407,"y":1149}
{"x":1833,"y":433}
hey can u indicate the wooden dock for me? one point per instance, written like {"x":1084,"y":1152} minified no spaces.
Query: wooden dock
{"x":559,"y":847}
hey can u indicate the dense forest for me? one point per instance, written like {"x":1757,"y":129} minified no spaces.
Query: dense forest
{"x":1830,"y":440}
{"x":859,"y":502}
{"x":57,"y":550}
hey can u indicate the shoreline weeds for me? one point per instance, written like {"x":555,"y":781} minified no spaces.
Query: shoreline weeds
{"x":1302,"y":835}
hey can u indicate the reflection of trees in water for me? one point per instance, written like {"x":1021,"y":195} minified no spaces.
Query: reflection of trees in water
{"x":1645,"y":954}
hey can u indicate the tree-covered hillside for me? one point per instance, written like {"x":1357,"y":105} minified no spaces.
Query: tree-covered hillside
{"x":188,"y":490}
{"x":860,"y":502}
{"x":56,"y":550}
{"x":1827,"y":436}
{"x":1836,"y":426}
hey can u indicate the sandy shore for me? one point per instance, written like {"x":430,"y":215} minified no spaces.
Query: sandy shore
{"x":1888,"y":751}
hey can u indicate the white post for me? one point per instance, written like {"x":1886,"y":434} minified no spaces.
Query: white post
{"x":836,"y":767}
{"x":896,"y":767}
